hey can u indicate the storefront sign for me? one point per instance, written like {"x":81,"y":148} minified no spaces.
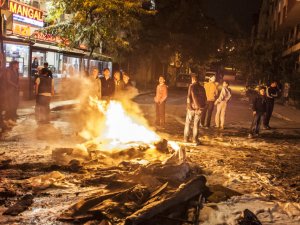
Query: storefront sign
{"x":46,"y":37}
{"x":26,"y":14}
{"x":22,"y":30}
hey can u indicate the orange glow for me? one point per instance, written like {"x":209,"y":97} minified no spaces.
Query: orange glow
{"x":118,"y":129}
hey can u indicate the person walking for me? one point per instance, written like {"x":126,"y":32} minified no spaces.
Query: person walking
{"x":286,"y":92}
{"x":196,"y":101}
{"x":107,"y":85}
{"x":211,"y":91}
{"x":259,"y":107}
{"x":271,"y":93}
{"x":160,"y":101}
{"x":11,"y":84}
{"x":44,"y":91}
{"x":221,"y":104}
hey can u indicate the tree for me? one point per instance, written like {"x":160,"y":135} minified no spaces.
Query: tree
{"x":178,"y":27}
{"x":107,"y":24}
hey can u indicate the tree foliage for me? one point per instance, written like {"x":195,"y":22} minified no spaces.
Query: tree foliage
{"x":179,"y":26}
{"x":111,"y":24}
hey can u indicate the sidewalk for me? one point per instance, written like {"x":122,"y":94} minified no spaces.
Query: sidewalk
{"x":287,"y":113}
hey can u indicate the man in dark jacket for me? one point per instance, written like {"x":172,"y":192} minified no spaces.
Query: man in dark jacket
{"x":107,"y":85}
{"x":44,"y":91}
{"x":196,"y":101}
{"x":11,"y":82}
{"x":272,"y":92}
{"x":259,"y":111}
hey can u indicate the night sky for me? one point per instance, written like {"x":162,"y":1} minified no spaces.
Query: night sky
{"x":240,"y":10}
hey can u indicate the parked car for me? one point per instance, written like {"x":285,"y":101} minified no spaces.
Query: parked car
{"x":183,"y":80}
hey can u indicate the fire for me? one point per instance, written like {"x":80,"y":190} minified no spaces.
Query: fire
{"x":118,"y":127}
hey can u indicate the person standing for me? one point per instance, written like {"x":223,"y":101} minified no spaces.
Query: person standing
{"x":259,"y":106}
{"x":196,"y":101}
{"x":160,"y":101}
{"x":95,"y":82}
{"x":211,"y":91}
{"x":11,"y":82}
{"x":127,"y":81}
{"x":286,"y":91}
{"x":35,"y":63}
{"x":46,"y":65}
{"x":44,"y":91}
{"x":3,"y":126}
{"x":107,"y":85}
{"x":119,"y":83}
{"x":221,"y":104}
{"x":271,"y":93}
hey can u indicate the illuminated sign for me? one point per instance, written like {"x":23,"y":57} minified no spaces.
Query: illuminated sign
{"x":26,"y":14}
{"x":22,"y":30}
{"x":47,"y":37}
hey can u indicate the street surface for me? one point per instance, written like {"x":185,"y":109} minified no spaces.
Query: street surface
{"x":261,"y":174}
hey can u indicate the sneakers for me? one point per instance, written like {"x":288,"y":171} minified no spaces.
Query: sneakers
{"x":253,"y":135}
{"x":197,"y":142}
{"x":267,"y":127}
{"x":186,"y":140}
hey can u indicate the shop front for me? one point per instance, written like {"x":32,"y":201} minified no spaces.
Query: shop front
{"x":32,"y":49}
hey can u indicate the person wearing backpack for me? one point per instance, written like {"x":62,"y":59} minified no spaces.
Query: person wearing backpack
{"x":221,"y":104}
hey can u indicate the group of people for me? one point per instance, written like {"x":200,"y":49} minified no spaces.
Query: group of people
{"x":201,"y":101}
{"x":9,"y":95}
{"x":107,"y":87}
{"x":262,"y":107}
{"x":200,"y":105}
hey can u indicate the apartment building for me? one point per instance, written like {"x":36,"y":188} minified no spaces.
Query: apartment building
{"x":280,"y":19}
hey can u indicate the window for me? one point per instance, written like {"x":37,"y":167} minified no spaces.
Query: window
{"x":19,"y":53}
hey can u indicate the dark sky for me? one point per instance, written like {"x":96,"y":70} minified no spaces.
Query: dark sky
{"x":240,"y":10}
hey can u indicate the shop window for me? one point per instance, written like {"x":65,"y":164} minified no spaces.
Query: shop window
{"x":19,"y":53}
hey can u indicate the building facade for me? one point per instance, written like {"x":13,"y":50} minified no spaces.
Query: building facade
{"x":280,"y":19}
{"x":31,"y":48}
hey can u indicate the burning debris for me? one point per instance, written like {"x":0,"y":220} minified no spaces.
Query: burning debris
{"x":142,"y":178}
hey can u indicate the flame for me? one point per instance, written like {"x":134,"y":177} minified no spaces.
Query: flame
{"x":118,"y":127}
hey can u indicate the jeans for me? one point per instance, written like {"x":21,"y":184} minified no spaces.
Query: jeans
{"x":190,"y":115}
{"x":269,"y":111}
{"x":257,"y":119}
{"x":160,"y":113}
{"x":220,"y":114}
{"x":206,"y":114}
